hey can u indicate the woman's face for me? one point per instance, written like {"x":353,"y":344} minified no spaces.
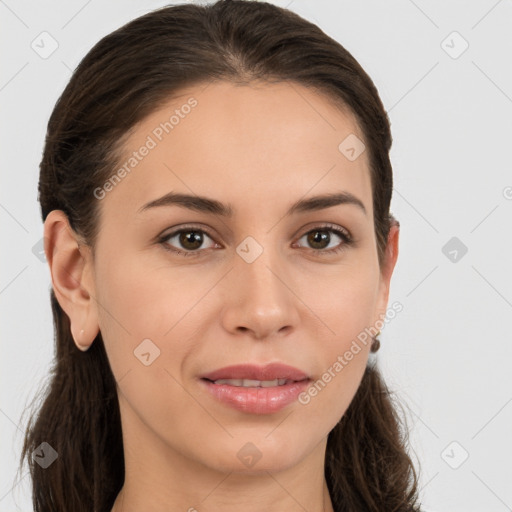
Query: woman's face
{"x":262,"y":285}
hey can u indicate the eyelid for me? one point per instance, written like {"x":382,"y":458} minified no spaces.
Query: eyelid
{"x":164,"y":238}
{"x":338,"y":230}
{"x":184,"y":227}
{"x":313,"y":225}
{"x":326,"y":226}
{"x":341,"y":232}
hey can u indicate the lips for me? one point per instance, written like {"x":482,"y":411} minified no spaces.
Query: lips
{"x":269,"y":372}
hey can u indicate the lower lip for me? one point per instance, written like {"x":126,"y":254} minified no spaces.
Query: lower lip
{"x":256,"y":400}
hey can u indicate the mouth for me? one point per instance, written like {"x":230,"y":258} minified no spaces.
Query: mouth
{"x":252,"y":375}
{"x":252,"y":383}
{"x":254,"y":389}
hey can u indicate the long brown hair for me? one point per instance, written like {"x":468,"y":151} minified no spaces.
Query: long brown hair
{"x":125,"y":77}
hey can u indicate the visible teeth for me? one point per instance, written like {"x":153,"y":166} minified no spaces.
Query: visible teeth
{"x":249,"y":383}
{"x":231,"y":382}
{"x":268,"y":383}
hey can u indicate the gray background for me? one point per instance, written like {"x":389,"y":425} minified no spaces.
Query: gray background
{"x":447,"y":354}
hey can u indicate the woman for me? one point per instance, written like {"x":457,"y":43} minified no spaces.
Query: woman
{"x":215,"y":190}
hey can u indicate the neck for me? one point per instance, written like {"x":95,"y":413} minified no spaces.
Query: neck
{"x":161,"y":478}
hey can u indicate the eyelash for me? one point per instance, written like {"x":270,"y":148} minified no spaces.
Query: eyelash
{"x":342,"y":233}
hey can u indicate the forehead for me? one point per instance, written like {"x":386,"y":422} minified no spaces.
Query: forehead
{"x":239,"y":142}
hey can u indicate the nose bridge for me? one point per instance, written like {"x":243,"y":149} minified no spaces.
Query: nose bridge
{"x":259,"y":268}
{"x":260,"y":300}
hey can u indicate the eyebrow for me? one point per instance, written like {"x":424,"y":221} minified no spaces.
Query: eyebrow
{"x":207,"y":205}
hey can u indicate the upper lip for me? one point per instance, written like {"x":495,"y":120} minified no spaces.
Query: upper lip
{"x":270,"y":371}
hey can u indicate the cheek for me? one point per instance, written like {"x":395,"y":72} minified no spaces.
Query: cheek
{"x":147,"y":315}
{"x":140,"y":299}
{"x":343,"y":302}
{"x":345,"y":310}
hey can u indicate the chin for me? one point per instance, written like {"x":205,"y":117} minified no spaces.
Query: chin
{"x":258,"y":456}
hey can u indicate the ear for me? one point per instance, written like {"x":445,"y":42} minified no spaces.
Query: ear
{"x":71,"y":271}
{"x":388,"y":264}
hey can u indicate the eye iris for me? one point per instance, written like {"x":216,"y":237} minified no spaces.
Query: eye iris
{"x":314,"y":239}
{"x":195,"y":237}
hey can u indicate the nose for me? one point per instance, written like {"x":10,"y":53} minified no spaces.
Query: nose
{"x":260,"y":298}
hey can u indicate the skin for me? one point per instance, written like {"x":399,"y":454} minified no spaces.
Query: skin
{"x":258,"y":147}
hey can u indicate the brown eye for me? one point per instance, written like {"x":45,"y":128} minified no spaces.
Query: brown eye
{"x":317,"y":239}
{"x":321,"y":240}
{"x":188,"y":239}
